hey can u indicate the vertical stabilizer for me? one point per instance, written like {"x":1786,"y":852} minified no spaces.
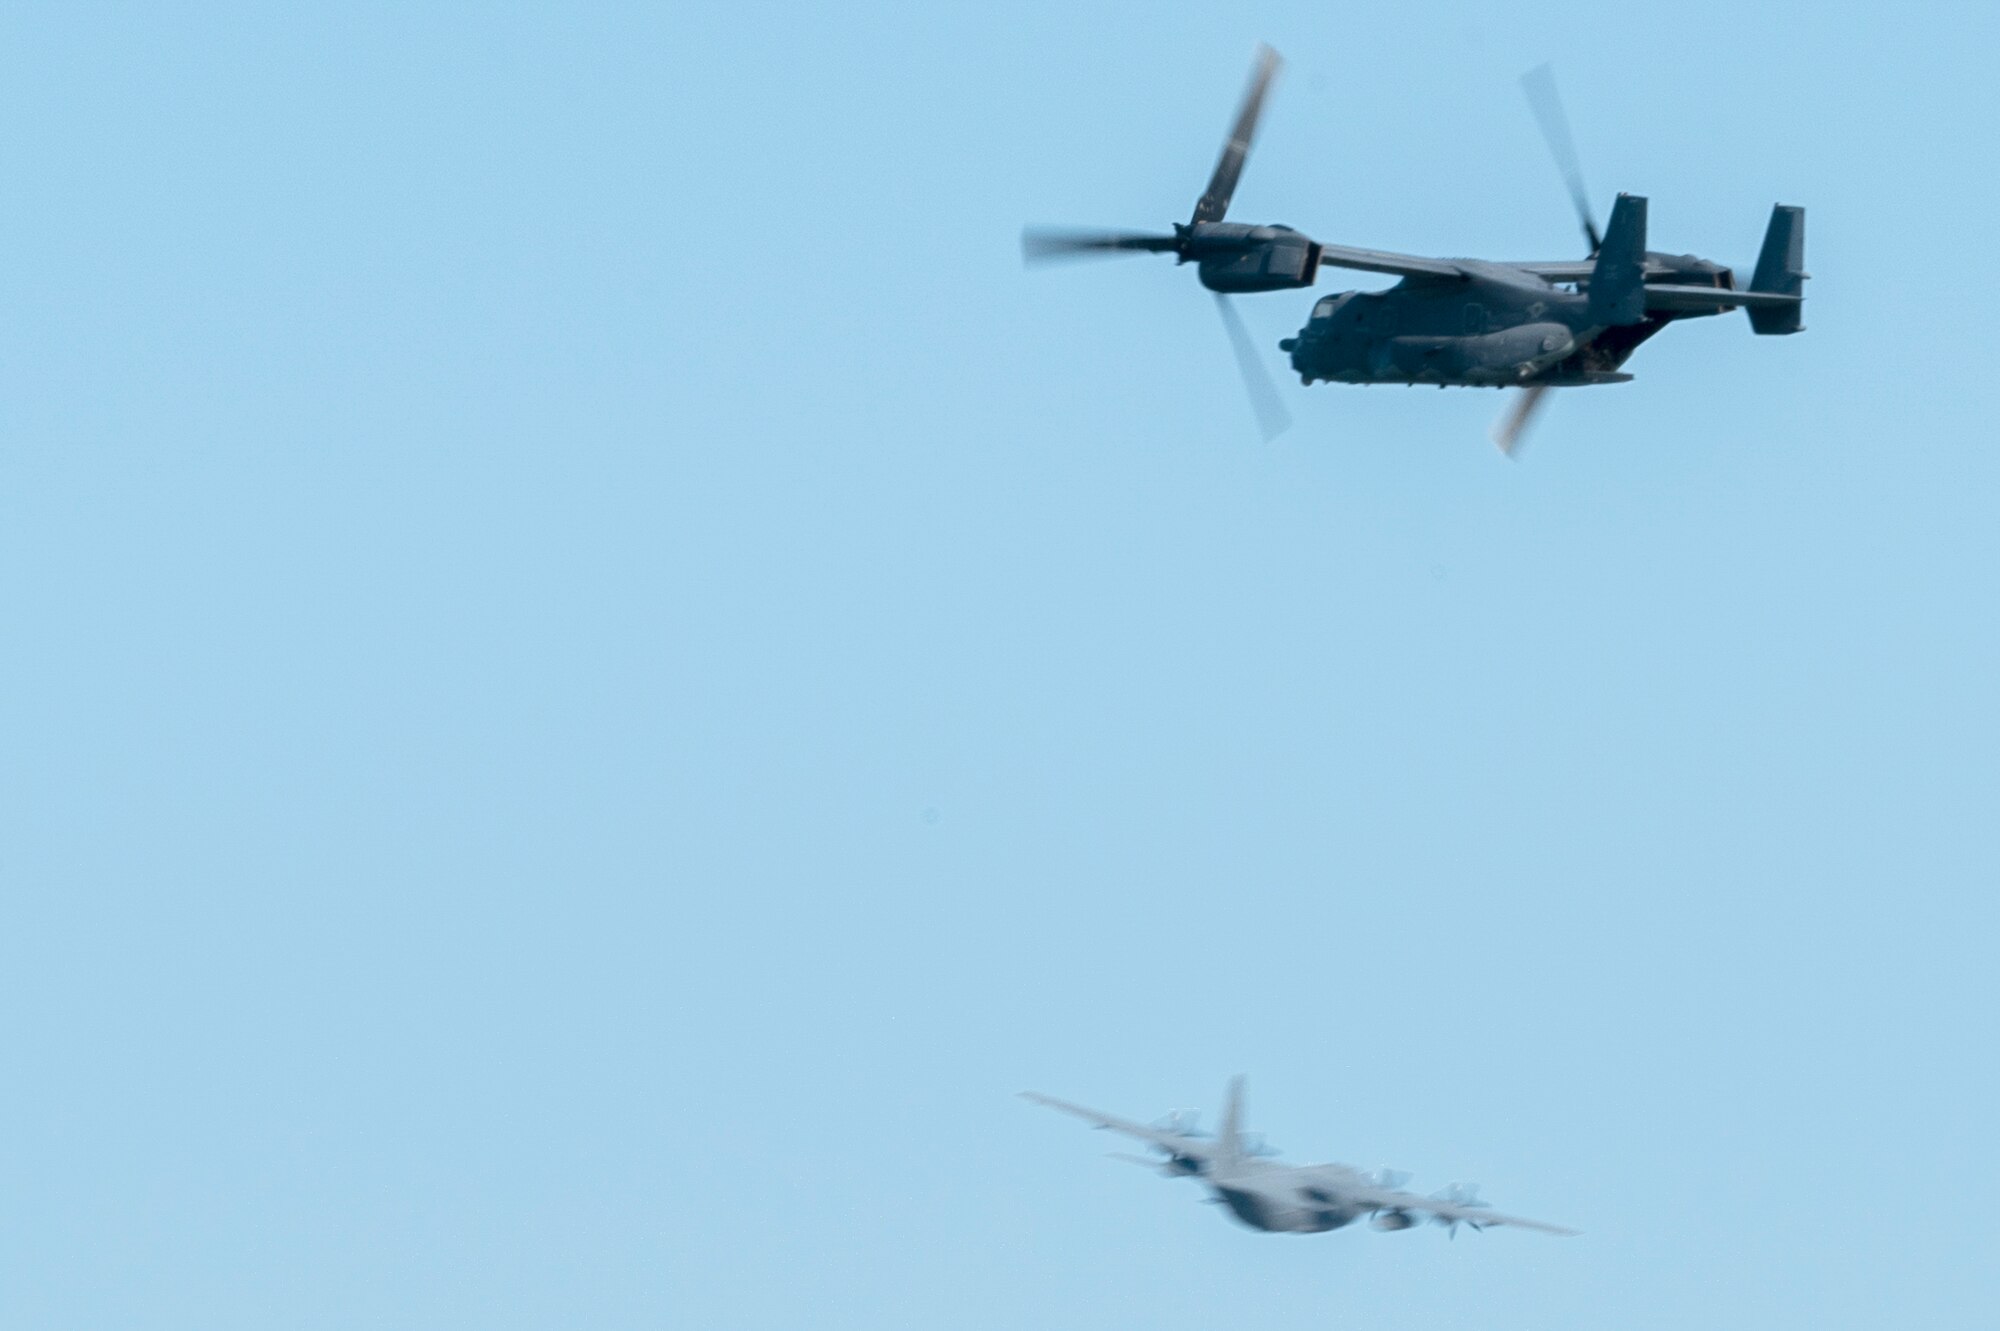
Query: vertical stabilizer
{"x":1781,"y":271}
{"x":1229,"y":1136}
{"x":1618,"y":282}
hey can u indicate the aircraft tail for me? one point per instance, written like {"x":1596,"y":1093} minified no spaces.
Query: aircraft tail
{"x":1229,"y":1134}
{"x":1781,"y":271}
{"x":1618,"y":282}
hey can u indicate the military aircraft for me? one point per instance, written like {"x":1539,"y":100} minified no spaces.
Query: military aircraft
{"x":1474,"y":323}
{"x":1465,"y":322}
{"x":1228,"y":256}
{"x":1290,"y":1199}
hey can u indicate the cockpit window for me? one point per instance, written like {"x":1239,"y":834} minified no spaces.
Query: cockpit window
{"x":1324,"y":309}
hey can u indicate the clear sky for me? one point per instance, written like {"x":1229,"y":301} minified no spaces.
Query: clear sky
{"x":594,"y":677}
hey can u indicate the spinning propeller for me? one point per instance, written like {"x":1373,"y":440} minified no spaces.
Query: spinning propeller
{"x":1164,"y":1168}
{"x":1464,"y":1196}
{"x":1507,"y":431}
{"x":1224,"y":252}
{"x":1041,"y":244}
{"x":1539,"y":84}
{"x":1181,"y":1122}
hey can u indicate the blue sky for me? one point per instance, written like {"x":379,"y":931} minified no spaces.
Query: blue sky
{"x":595,"y":677}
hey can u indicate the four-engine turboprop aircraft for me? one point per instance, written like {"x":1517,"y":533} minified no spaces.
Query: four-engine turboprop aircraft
{"x":1292,"y":1199}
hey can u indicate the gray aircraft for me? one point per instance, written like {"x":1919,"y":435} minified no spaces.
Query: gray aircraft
{"x":1462,"y":322}
{"x":1478,"y":324}
{"x":1241,"y":1174}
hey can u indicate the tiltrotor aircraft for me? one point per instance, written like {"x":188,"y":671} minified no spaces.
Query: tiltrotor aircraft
{"x":1290,"y":1199}
{"x":1466,"y":322}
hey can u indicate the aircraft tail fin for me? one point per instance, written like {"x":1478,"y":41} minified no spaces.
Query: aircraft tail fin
{"x":1618,"y":282}
{"x":1229,"y":1134}
{"x":1781,"y":271}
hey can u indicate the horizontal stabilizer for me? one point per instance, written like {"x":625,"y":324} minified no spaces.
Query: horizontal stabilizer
{"x":1712,"y":300}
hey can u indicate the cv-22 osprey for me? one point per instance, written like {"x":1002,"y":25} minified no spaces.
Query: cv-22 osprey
{"x":1241,"y":1174}
{"x":1465,"y":322}
{"x":1476,"y":323}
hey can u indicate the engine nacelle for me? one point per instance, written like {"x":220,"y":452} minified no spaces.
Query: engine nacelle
{"x":1283,"y":263}
{"x":1393,"y":1220}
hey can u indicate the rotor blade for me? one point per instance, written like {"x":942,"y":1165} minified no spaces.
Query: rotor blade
{"x":1540,"y":85}
{"x":1214,"y":201}
{"x":1272,"y":417}
{"x":1508,"y":429}
{"x":1043,"y":244}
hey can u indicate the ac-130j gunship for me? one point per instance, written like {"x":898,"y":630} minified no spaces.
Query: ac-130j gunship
{"x":1240,"y":1174}
{"x":1465,"y":322}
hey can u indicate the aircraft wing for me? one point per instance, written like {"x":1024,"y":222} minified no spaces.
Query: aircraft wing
{"x":1191,"y":1148}
{"x":1388,"y":1199}
{"x":1417,"y":265}
{"x":1579,"y":270}
{"x":1387,"y":261}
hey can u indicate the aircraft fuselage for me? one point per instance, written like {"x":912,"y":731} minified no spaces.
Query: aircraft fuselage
{"x":1284,"y":1199}
{"x":1497,"y":326}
